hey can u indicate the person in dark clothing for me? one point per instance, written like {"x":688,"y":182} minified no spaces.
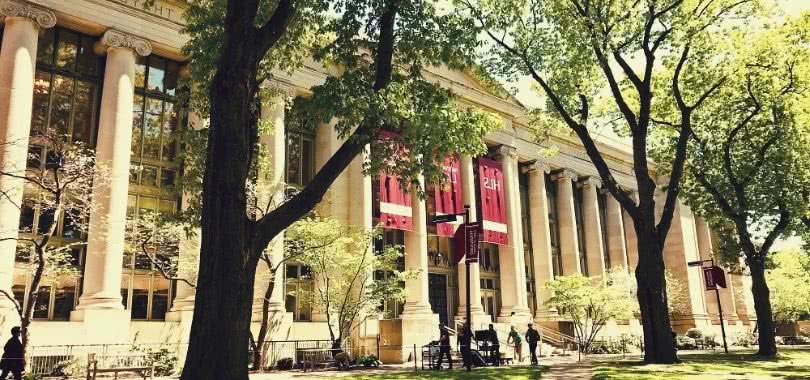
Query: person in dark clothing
{"x":532,"y":337}
{"x":465,"y":341}
{"x":444,"y":348}
{"x":12,"y":360}
{"x":495,"y":353}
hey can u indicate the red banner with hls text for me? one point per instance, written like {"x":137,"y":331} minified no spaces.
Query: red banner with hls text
{"x":447,"y":195}
{"x":493,"y":201}
{"x":395,"y":201}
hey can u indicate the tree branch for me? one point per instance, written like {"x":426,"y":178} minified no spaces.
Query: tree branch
{"x":272,"y":31}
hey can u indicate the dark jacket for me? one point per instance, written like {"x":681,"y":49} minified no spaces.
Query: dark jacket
{"x":532,"y":336}
{"x":465,"y":340}
{"x":444,"y":342}
{"x":12,"y":355}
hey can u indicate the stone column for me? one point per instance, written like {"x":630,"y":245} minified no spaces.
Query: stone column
{"x":469,"y":195}
{"x":416,"y":301}
{"x":681,"y":248}
{"x":270,"y":193}
{"x":105,"y":244}
{"x":541,"y":237}
{"x":512,"y":267}
{"x":617,"y":249}
{"x":18,"y":57}
{"x":630,"y":236}
{"x":594,"y":247}
{"x":569,"y":241}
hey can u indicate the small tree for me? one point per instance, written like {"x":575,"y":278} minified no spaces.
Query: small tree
{"x":352,"y":280}
{"x":59,"y":186}
{"x":592,"y":301}
{"x":677,"y":295}
{"x":789,"y":279}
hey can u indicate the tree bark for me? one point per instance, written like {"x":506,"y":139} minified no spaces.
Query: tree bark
{"x":658,"y":343}
{"x":264,"y":328}
{"x":220,"y":330}
{"x":762,"y":305}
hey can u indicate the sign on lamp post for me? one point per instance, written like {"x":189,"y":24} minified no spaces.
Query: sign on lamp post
{"x":715,"y":278}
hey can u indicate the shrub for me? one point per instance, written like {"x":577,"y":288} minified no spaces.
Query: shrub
{"x":369,"y":361}
{"x":68,"y":368}
{"x":711,"y":341}
{"x":795,"y":340}
{"x":284,"y":364}
{"x":694,"y":333}
{"x":744,"y":339}
{"x":685,"y":343}
{"x":164,"y":360}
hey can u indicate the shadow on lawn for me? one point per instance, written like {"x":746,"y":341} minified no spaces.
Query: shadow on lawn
{"x":790,"y":365}
{"x":522,"y":372}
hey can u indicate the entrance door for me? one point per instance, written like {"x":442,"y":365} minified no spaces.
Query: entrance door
{"x":437,"y":295}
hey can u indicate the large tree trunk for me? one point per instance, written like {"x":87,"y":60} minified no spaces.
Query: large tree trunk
{"x":658,"y":343}
{"x":220,"y":330}
{"x":762,"y":305}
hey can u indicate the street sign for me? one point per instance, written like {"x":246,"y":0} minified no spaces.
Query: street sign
{"x":714,"y":277}
{"x":466,"y":242}
{"x":446,"y":218}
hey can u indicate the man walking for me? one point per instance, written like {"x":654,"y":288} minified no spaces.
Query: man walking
{"x":532,"y":337}
{"x":465,"y":340}
{"x":444,"y":348}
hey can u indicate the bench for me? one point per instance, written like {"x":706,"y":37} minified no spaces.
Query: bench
{"x":117,"y":363}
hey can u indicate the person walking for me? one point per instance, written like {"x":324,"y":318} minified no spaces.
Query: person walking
{"x":514,"y":338}
{"x":444,"y":348}
{"x":12,"y":360}
{"x":495,"y":353}
{"x":465,"y":341}
{"x":532,"y":337}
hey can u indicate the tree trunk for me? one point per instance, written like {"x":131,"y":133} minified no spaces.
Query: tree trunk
{"x":658,"y":342}
{"x":220,"y":330}
{"x":264,"y":328}
{"x":762,"y":305}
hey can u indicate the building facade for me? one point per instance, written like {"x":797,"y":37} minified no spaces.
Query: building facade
{"x":105,"y":72}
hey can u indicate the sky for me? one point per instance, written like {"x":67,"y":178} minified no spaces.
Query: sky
{"x":528,"y":96}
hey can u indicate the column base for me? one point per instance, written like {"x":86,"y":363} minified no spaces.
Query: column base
{"x":416,"y":310}
{"x":402,"y":336}
{"x":99,"y":301}
{"x":103,"y":325}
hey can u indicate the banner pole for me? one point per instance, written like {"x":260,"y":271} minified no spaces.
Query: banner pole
{"x":467,"y":266}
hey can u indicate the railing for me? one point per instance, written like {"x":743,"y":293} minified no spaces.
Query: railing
{"x":274,"y":350}
{"x":44,"y":360}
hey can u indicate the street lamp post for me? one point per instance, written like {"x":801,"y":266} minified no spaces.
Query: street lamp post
{"x":448,"y":218}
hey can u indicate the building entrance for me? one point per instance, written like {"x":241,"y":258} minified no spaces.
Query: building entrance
{"x":437,"y":295}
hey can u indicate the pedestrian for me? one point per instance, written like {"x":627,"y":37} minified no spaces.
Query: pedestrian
{"x":495,"y":353}
{"x":12,"y":360}
{"x":465,"y":341}
{"x":514,"y":338}
{"x":532,"y":337}
{"x":444,"y":347}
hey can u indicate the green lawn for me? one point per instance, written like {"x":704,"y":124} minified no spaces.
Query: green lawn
{"x":792,"y":364}
{"x":477,"y":373}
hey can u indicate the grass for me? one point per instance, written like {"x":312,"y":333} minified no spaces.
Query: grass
{"x":517,"y":372}
{"x":792,"y":364}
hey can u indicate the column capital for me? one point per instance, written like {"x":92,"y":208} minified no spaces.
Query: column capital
{"x":591,"y":181}
{"x":113,"y":38}
{"x":505,"y":151}
{"x":536,"y":166}
{"x":17,"y":8}
{"x":564,"y":173}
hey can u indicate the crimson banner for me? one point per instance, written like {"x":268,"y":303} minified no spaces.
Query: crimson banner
{"x":466,"y":242}
{"x":448,"y":195}
{"x":493,"y":201}
{"x":714,"y":276}
{"x":395,"y":204}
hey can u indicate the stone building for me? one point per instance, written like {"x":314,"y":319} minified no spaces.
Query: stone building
{"x":106,"y":72}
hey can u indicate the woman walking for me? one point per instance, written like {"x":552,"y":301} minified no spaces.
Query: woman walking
{"x":514,"y":338}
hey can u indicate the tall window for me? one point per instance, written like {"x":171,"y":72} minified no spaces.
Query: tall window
{"x":67,"y":85}
{"x":300,"y":159}
{"x":583,"y":258}
{"x":144,"y":290}
{"x":157,"y":118}
{"x":299,"y":284}
{"x":553,"y":226}
{"x":490,"y":279}
{"x":602,"y":198}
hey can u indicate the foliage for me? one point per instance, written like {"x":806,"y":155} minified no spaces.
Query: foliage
{"x":743,"y":339}
{"x":351,"y":281}
{"x":694,"y":333}
{"x":160,"y":238}
{"x":284,"y":364}
{"x":369,"y":361}
{"x":686,"y":343}
{"x":61,"y":186}
{"x":795,"y":340}
{"x":591,"y":302}
{"x":677,"y":295}
{"x":68,"y":368}
{"x":623,"y":64}
{"x":164,"y":360}
{"x":789,"y":280}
